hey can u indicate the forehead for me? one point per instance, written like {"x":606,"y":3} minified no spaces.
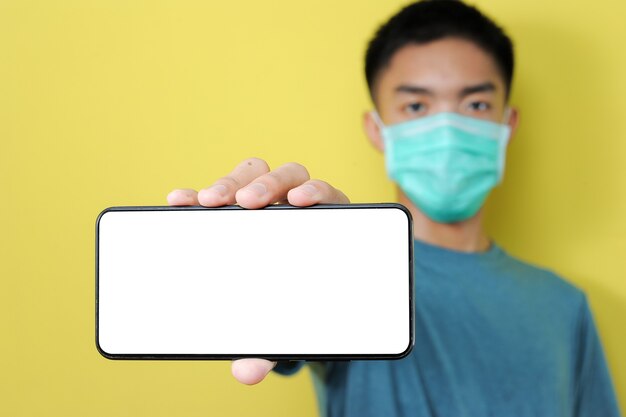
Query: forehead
{"x":446,"y":65}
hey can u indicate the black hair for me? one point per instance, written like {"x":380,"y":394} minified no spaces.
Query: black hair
{"x":430,"y":20}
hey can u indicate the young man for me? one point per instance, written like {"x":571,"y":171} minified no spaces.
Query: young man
{"x":495,"y":336}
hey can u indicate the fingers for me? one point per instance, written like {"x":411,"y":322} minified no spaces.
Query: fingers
{"x":316,"y":192}
{"x":183,"y":197}
{"x":251,"y":371}
{"x":223,"y":191}
{"x":272,"y":187}
{"x":251,"y":185}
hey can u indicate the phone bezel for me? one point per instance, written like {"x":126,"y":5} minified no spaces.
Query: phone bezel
{"x":276,"y":357}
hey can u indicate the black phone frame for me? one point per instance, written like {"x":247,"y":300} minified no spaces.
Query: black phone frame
{"x":273,"y":357}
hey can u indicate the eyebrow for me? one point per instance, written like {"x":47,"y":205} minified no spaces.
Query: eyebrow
{"x":478,"y":88}
{"x":413,"y":89}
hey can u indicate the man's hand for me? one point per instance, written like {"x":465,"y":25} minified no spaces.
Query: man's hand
{"x":252,"y":185}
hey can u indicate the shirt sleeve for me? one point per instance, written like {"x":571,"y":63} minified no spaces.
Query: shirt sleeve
{"x":288,"y":367}
{"x":595,"y":395}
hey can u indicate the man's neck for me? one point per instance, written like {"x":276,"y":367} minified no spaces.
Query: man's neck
{"x":464,"y":236}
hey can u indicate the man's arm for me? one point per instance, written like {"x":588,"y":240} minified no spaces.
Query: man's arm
{"x":595,"y":395}
{"x":252,"y":185}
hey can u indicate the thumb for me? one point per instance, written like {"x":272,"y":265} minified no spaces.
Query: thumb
{"x":251,"y":371}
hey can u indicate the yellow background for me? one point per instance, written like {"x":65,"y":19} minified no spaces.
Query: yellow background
{"x":107,"y":103}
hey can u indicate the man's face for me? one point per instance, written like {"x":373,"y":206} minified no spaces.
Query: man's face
{"x":447,"y":75}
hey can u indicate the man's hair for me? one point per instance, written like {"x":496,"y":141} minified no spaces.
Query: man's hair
{"x":431,"y":20}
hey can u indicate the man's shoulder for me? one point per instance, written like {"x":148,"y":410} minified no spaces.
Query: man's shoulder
{"x":542,"y":280}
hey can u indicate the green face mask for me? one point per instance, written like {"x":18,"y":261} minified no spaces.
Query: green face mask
{"x":446,"y":163}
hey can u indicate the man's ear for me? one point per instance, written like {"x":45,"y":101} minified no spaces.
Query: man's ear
{"x":372,"y":130}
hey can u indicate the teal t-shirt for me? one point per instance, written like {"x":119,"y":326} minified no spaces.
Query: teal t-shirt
{"x":494,"y":336}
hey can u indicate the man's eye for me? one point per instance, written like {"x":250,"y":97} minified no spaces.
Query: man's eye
{"x":415,"y":107}
{"x":479,"y":106}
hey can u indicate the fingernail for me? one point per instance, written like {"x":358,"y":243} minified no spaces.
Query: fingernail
{"x":220,"y":189}
{"x":257,"y":189}
{"x":309,"y":190}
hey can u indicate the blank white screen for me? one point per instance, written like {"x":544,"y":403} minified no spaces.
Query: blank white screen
{"x":266,"y":282}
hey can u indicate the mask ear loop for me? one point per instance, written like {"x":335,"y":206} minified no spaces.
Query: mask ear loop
{"x":381,"y":127}
{"x":504,"y":141}
{"x":506,"y":117}
{"x":377,"y":119}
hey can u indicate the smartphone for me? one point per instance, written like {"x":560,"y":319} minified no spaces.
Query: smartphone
{"x":327,"y":282}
